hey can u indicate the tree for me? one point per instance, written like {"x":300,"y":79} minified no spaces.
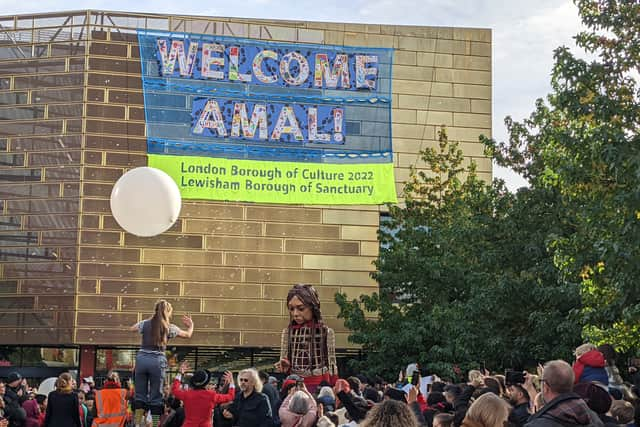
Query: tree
{"x":583,"y":144}
{"x":465,"y":276}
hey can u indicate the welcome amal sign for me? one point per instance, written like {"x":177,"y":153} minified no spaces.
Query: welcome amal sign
{"x":249,"y":120}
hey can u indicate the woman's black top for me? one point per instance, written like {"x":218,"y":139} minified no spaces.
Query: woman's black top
{"x":63,"y":410}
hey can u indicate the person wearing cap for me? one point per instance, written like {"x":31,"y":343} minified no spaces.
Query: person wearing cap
{"x":14,"y":396}
{"x":598,"y":399}
{"x":200,"y":402}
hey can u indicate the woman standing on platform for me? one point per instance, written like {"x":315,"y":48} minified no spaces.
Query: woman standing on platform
{"x":151,"y":361}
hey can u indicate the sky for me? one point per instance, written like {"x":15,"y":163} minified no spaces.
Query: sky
{"x":525,"y":33}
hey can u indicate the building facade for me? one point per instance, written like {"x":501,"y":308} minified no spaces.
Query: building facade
{"x":72,"y":117}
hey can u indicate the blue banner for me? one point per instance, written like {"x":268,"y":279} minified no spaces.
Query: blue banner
{"x":238,"y":98}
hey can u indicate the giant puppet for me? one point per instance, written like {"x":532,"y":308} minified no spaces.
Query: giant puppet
{"x":308,"y":346}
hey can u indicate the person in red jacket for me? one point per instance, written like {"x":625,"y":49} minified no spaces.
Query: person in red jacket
{"x":589,"y":365}
{"x":200,"y":402}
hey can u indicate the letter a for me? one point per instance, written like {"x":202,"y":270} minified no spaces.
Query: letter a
{"x":210,"y":118}
{"x":287,"y":116}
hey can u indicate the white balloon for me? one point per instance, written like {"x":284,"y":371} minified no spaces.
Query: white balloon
{"x":145,"y":201}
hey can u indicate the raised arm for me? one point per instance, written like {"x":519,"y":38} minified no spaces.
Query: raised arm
{"x":135,"y":327}
{"x":188,"y":322}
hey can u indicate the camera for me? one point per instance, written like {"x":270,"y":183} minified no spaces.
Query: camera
{"x":514,"y":377}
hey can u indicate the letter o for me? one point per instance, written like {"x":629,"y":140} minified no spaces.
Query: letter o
{"x":285,"y":68}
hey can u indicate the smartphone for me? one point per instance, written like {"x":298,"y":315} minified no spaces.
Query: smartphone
{"x":415,"y":378}
{"x":514,"y":377}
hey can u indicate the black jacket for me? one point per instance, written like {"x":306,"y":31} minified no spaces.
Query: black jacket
{"x":519,"y":415}
{"x":566,"y":410}
{"x":461,"y":404}
{"x":274,"y":401}
{"x":356,"y":406}
{"x":176,"y":418}
{"x":63,"y":410}
{"x":13,"y":405}
{"x":251,"y":411}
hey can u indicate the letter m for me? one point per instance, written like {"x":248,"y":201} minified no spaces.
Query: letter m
{"x":339,"y":73}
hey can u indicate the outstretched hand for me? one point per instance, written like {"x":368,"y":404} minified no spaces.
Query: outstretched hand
{"x":413,"y":394}
{"x":188,"y":321}
{"x":227,"y":377}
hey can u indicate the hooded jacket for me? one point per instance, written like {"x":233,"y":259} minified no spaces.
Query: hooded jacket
{"x":33,"y":413}
{"x":566,"y":410}
{"x":590,"y":367}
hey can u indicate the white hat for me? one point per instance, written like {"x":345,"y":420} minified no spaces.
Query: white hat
{"x":89,"y":380}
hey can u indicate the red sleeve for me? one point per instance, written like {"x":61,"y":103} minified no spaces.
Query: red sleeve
{"x":177,"y":391}
{"x":224,"y":398}
{"x":421,"y":402}
{"x":578,"y":368}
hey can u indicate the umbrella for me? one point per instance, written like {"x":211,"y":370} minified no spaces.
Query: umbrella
{"x":47,"y":386}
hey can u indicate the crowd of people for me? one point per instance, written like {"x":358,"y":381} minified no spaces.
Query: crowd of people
{"x":588,"y":392}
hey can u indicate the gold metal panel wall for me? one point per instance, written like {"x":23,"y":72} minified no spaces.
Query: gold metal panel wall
{"x":72,"y":122}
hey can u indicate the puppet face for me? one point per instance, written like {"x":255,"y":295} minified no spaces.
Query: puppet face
{"x":299,"y":311}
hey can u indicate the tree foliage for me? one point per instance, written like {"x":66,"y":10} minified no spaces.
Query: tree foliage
{"x":472,"y":274}
{"x":583,"y":144}
{"x":465,"y":276}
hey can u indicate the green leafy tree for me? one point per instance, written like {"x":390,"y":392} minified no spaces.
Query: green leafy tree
{"x":465,"y":277}
{"x":583,"y":144}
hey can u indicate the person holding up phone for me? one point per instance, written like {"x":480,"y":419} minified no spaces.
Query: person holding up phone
{"x":518,"y":397}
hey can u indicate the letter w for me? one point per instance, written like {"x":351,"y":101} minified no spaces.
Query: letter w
{"x":168,"y":57}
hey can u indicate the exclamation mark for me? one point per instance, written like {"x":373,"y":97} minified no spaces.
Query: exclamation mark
{"x":338,"y":114}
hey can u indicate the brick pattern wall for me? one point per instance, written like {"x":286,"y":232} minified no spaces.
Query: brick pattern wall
{"x":229,"y":265}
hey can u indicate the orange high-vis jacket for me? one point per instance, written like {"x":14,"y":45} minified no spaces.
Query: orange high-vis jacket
{"x":111,"y":408}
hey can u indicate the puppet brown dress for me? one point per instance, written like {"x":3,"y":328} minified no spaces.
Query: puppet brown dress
{"x":307,"y":344}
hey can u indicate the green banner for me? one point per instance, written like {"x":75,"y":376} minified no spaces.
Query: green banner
{"x":213,"y":178}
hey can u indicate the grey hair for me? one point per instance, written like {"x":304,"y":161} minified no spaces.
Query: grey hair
{"x":255,"y":378}
{"x":326,"y":391}
{"x":299,"y":403}
{"x":559,"y":376}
